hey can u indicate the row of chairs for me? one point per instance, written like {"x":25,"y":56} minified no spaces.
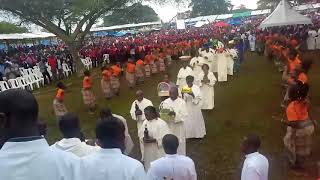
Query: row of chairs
{"x":30,"y":78}
{"x":88,"y":64}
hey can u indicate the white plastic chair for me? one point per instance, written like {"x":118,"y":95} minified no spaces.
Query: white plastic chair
{"x":14,"y":84}
{"x":30,"y":71}
{"x":106,"y":59}
{"x":66,"y":70}
{"x":23,"y":83}
{"x":85,"y":64}
{"x":4,"y":86}
{"x":38,"y":78}
{"x":30,"y":80}
{"x":89,"y":62}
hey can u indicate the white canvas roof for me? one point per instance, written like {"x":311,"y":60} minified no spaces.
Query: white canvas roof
{"x":284,"y":15}
{"x":25,"y":36}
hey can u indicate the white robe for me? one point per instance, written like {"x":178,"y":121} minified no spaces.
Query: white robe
{"x":32,"y":160}
{"x":207,"y":91}
{"x":183,"y":73}
{"x":157,"y":129}
{"x":222,"y":67}
{"x":111,"y":164}
{"x":196,"y":65}
{"x":177,"y":127}
{"x":75,"y":146}
{"x":210,"y":59}
{"x":318,"y":40}
{"x":311,"y":40}
{"x":128,"y":140}
{"x":252,"y":42}
{"x":232,"y":55}
{"x":194,"y":123}
{"x":175,"y":167}
{"x":140,"y":119}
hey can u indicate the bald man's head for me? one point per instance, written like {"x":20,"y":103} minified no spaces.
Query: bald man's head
{"x":174,"y":93}
{"x":139,"y":95}
{"x":170,"y":144}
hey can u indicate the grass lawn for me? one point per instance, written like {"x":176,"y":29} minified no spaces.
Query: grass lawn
{"x":248,"y":103}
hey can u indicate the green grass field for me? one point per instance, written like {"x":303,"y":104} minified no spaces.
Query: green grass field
{"x":248,"y":103}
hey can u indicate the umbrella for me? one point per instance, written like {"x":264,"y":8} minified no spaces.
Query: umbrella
{"x":221,"y":24}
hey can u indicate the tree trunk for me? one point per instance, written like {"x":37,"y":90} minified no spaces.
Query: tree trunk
{"x":74,"y":50}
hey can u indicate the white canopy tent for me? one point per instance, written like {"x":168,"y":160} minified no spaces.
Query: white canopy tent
{"x":284,"y":15}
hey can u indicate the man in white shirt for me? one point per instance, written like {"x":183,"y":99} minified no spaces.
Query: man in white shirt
{"x":184,"y":71}
{"x":109,"y":162}
{"x":70,"y":128}
{"x":172,"y":166}
{"x":137,"y":112}
{"x":106,"y":113}
{"x":179,"y":111}
{"x":255,"y":166}
{"x":26,"y":155}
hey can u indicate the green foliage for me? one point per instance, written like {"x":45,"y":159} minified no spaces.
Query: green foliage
{"x":8,"y":28}
{"x":136,"y":13}
{"x":209,"y":7}
{"x":267,"y":4}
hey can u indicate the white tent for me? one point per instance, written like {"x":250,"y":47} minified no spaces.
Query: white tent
{"x":284,"y":15}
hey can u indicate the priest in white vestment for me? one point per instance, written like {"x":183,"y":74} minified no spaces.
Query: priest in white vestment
{"x":196,"y":65}
{"x":222,"y":62}
{"x":155,"y":129}
{"x":252,"y":42}
{"x":178,"y":108}
{"x":106,"y":113}
{"x":109,"y":162}
{"x":232,"y":54}
{"x":311,"y":40}
{"x":206,"y":82}
{"x":137,"y":112}
{"x":69,"y":126}
{"x":173,"y":165}
{"x":194,"y":123}
{"x":183,"y":73}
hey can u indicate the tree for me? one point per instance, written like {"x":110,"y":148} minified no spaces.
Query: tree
{"x":240,"y":9}
{"x":8,"y":28}
{"x":209,"y":7}
{"x":136,"y":13}
{"x":70,"y":20}
{"x":271,"y":4}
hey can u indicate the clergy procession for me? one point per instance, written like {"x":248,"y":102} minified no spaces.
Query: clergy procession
{"x":166,"y":104}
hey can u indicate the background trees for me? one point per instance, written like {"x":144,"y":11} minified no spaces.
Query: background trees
{"x":136,"y":13}
{"x":8,"y":28}
{"x":209,"y":7}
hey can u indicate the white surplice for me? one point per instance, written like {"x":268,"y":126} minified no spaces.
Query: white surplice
{"x":140,"y":119}
{"x":157,"y":129}
{"x":111,"y":164}
{"x":175,"y":167}
{"x":177,"y":127}
{"x":194,"y":123}
{"x":196,"y":64}
{"x":222,"y":62}
{"x":210,"y":59}
{"x":252,"y":42}
{"x":128,"y":140}
{"x":31,"y":160}
{"x":207,"y":90}
{"x":181,"y":77}
{"x":311,"y":40}
{"x":232,"y":54}
{"x":75,"y":146}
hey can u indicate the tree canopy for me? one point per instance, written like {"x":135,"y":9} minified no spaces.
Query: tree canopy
{"x":136,"y":13}
{"x":266,"y":4}
{"x":8,"y":28}
{"x":70,"y":20}
{"x":209,"y":7}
